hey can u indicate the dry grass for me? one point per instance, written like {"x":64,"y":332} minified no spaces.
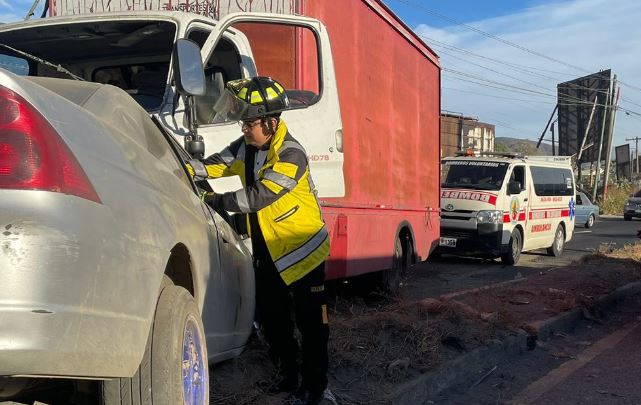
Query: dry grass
{"x":615,"y":200}
{"x":630,"y":252}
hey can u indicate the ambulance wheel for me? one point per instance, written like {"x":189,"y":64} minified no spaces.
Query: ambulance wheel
{"x":559,"y":241}
{"x":513,"y":254}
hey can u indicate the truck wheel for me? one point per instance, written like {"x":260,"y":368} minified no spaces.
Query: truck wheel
{"x":174,"y":368}
{"x":627,"y":217}
{"x":392,"y":277}
{"x":590,"y":222}
{"x":559,"y":241}
{"x":513,"y":254}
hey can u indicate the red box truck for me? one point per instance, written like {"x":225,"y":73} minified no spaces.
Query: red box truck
{"x":371,"y":88}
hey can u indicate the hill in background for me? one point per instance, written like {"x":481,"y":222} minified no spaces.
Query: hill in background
{"x":524,"y":146}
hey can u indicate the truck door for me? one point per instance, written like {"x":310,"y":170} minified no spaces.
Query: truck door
{"x":295,"y":51}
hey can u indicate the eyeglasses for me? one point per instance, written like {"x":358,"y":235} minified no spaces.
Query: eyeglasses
{"x":247,"y":125}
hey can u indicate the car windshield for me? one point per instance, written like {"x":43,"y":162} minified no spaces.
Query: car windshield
{"x":477,"y":175}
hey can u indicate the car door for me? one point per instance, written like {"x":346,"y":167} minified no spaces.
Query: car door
{"x":228,"y":307}
{"x":315,"y":119}
{"x":582,"y":208}
{"x":236,"y":303}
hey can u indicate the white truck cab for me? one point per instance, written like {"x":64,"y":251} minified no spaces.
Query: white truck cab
{"x":500,"y":204}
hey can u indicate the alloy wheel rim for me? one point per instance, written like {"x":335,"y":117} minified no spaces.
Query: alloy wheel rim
{"x":195,"y":375}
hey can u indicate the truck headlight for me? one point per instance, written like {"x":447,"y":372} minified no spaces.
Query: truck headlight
{"x":629,"y":204}
{"x":489,"y":217}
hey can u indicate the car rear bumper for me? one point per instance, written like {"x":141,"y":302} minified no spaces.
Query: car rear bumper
{"x":73,"y":302}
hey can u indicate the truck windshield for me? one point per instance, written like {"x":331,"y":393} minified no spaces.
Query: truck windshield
{"x":477,"y":175}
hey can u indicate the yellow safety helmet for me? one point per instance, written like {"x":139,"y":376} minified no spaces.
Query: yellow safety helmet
{"x":262,"y":96}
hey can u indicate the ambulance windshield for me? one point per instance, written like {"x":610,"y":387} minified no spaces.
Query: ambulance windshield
{"x":473,"y":174}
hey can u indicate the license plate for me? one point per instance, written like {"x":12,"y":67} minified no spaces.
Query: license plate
{"x":449,"y":242}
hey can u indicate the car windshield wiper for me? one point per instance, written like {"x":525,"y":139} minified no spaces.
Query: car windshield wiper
{"x":58,"y":67}
{"x":462,"y":185}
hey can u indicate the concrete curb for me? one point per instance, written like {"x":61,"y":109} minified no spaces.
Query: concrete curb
{"x":475,"y":364}
{"x":543,"y":330}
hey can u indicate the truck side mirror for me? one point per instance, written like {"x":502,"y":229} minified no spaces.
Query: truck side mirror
{"x":189,"y":77}
{"x":188,"y":68}
{"x":513,"y":187}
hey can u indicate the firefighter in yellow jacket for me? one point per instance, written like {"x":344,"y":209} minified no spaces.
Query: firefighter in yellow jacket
{"x":289,"y":238}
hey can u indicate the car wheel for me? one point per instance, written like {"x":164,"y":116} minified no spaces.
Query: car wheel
{"x":590,"y":222}
{"x":559,"y":242}
{"x":627,"y":217}
{"x":513,"y":254}
{"x":174,"y":369}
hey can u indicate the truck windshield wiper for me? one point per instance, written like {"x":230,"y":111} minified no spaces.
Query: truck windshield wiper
{"x":58,"y":67}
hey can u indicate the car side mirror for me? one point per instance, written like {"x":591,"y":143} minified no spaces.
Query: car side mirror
{"x":189,"y":78}
{"x":513,"y":187}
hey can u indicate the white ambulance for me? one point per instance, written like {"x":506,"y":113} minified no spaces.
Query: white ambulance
{"x":500,"y":204}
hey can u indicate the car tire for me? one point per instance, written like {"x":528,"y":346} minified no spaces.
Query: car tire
{"x":558,"y":243}
{"x":512,"y":256}
{"x":590,"y":223}
{"x":627,"y":217}
{"x":177,"y":337}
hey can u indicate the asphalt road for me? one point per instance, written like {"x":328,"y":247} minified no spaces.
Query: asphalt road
{"x":599,"y":363}
{"x":449,"y":274}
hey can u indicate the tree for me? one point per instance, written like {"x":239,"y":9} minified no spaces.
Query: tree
{"x":501,"y":147}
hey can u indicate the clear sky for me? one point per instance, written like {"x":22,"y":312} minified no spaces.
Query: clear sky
{"x":502,"y":59}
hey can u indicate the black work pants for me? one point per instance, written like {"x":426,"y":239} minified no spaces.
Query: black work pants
{"x":274,"y":303}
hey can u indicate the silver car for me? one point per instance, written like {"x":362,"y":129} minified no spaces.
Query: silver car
{"x":113,"y":269}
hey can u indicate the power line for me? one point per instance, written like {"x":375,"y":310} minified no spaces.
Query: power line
{"x":492,"y":36}
{"x":521,"y":68}
{"x":495,"y":96}
{"x":502,"y":40}
{"x":516,"y":67}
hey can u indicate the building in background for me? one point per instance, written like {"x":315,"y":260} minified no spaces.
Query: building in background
{"x":459,"y":132}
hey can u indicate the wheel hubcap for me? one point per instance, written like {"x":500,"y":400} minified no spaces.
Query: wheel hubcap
{"x":559,"y":240}
{"x":195,"y":374}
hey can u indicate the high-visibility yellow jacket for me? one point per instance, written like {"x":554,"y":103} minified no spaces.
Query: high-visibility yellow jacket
{"x":284,"y":198}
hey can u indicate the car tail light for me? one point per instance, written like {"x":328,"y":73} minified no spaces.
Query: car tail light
{"x":32,"y":154}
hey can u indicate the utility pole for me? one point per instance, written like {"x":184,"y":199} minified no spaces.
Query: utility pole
{"x":585,"y":137}
{"x":552,"y":130}
{"x":598,"y":160}
{"x":613,"y":115}
{"x":636,"y":152}
{"x":33,"y":9}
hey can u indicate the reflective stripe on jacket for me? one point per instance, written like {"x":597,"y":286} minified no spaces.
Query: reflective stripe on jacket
{"x":284,"y":198}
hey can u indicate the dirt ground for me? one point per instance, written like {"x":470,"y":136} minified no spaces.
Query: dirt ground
{"x":377,"y":343}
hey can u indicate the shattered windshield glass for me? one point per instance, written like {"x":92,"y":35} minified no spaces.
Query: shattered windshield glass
{"x":476,"y":175}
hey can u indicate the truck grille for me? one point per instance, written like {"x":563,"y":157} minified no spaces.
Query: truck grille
{"x":456,"y":233}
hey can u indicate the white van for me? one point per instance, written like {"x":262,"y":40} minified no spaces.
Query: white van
{"x":500,"y":204}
